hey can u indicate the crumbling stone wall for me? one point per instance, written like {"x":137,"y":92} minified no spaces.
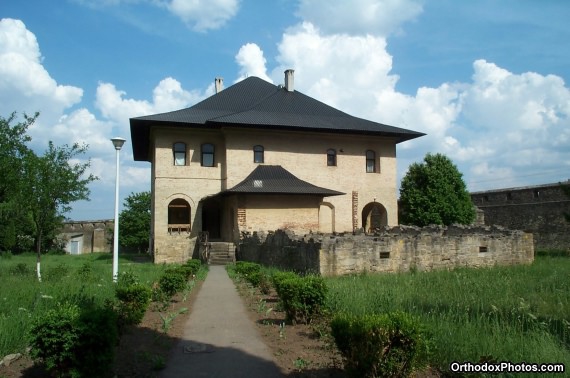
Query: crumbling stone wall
{"x":536,"y":209}
{"x":397,"y":249}
{"x":94,"y":236}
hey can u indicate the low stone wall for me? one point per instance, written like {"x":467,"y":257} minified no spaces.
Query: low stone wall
{"x":397,"y":249}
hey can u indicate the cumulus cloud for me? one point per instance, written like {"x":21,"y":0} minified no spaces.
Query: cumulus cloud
{"x":359,"y":17}
{"x":168,"y":95}
{"x":252,"y":62}
{"x":25,"y":85}
{"x":204,"y":15}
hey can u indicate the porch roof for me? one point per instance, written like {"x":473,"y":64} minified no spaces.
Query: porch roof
{"x":274,"y":179}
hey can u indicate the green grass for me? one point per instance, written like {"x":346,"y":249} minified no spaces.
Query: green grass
{"x":64,"y":278}
{"x":518,"y":313}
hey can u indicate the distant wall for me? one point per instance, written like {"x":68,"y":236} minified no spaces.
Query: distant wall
{"x":537,"y":209}
{"x":87,"y":236}
{"x":397,"y":249}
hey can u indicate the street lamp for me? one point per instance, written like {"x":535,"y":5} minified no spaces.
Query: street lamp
{"x":118,"y":143}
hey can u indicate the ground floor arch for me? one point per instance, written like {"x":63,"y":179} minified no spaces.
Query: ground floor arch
{"x":374,"y":216}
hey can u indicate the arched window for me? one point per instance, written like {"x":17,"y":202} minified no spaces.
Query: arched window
{"x":331,"y":157}
{"x":207,"y":159}
{"x":179,"y":153}
{"x":370,"y":161}
{"x":258,"y":154}
{"x":178,"y":215}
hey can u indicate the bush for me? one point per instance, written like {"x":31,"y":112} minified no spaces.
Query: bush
{"x":278,"y":277}
{"x":21,"y":269}
{"x":194,"y":265}
{"x":75,"y":343}
{"x":386,"y":345}
{"x":172,"y":281}
{"x":302,"y":297}
{"x":246,"y":268}
{"x":133,"y":300}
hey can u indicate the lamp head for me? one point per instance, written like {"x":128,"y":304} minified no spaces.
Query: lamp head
{"x":118,"y":142}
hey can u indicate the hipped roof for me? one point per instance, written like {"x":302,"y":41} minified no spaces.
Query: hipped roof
{"x":255,"y":103}
{"x":274,"y":179}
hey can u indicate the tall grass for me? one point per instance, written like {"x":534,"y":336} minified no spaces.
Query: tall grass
{"x":65,"y":278}
{"x":517,"y":313}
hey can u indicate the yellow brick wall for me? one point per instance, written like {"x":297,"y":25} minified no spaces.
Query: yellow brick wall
{"x":302,"y":154}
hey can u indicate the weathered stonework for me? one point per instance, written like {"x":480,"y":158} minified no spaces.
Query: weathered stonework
{"x":87,"y":236}
{"x":537,"y":209}
{"x":397,"y":249}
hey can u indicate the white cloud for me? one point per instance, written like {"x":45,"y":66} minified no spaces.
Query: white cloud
{"x":252,"y":62}
{"x":359,"y":17}
{"x":204,"y":15}
{"x":340,"y":70}
{"x":25,"y":85}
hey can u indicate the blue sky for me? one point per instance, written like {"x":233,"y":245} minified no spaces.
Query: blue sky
{"x":486,"y":80}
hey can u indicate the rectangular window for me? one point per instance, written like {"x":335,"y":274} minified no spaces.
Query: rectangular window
{"x":331,"y":158}
{"x":179,"y":152}
{"x":207,"y":159}
{"x":370,"y":161}
{"x":258,"y":154}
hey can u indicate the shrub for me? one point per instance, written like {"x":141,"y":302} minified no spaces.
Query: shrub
{"x":380,"y":345}
{"x":21,"y":269}
{"x":75,"y":343}
{"x":85,"y":272}
{"x":278,"y":277}
{"x":194,"y":265}
{"x":133,"y":300}
{"x":302,"y":297}
{"x":246,"y":268}
{"x":57,"y":272}
{"x":172,"y":281}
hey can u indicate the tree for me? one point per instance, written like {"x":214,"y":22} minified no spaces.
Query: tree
{"x":134,"y":222}
{"x":433,"y":192}
{"x":52,"y":183}
{"x":13,"y":220}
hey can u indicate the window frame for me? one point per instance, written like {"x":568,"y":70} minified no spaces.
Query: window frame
{"x":176,"y":208}
{"x":331,"y":158}
{"x":371,"y":159}
{"x":204,"y":153}
{"x":258,"y":154}
{"x":177,"y":148}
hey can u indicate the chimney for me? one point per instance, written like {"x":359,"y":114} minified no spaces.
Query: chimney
{"x":219,"y":83}
{"x":289,"y":80}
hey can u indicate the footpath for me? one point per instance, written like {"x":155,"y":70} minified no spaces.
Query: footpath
{"x":220,"y":340}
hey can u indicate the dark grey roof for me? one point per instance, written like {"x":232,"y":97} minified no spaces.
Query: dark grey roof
{"x":255,"y":103}
{"x":274,"y":179}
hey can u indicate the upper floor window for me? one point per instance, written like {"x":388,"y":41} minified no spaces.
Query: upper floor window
{"x":370,"y":161}
{"x":258,"y":154}
{"x":207,"y":159}
{"x":331,"y":157}
{"x":179,"y":153}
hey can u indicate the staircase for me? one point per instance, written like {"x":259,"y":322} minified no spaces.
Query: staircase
{"x":221,"y":253}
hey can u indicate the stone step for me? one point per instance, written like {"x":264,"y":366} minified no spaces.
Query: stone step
{"x":221,"y":253}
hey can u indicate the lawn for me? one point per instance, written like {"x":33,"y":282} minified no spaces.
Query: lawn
{"x":516,"y":313}
{"x":65,"y":278}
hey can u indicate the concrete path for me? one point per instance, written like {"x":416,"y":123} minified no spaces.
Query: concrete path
{"x":220,"y":340}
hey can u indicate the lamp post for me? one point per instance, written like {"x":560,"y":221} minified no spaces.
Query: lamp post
{"x":118,"y":143}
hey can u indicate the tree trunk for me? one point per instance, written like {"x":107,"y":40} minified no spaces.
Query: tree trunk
{"x":39,"y":252}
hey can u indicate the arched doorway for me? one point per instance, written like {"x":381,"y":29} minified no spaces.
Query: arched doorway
{"x":326,"y":218}
{"x":374,"y":216}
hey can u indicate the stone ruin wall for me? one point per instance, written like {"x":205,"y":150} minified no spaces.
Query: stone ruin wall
{"x":536,"y":209}
{"x":396,"y":249}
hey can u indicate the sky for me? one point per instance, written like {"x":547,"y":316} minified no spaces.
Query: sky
{"x":486,"y":80}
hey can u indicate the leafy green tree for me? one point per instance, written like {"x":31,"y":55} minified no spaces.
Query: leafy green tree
{"x":134,"y":222}
{"x":433,"y":192}
{"x":13,"y":138}
{"x":53,"y":182}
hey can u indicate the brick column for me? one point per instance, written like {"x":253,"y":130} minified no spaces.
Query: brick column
{"x":354,"y":210}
